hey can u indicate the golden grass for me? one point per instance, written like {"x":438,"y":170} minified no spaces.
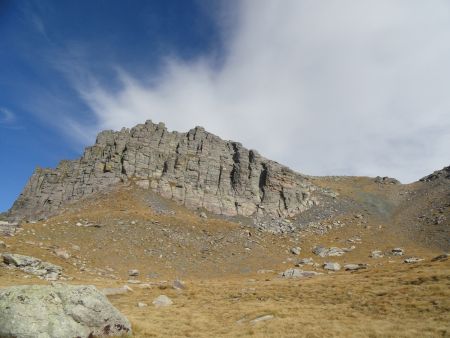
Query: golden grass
{"x":400,"y":301}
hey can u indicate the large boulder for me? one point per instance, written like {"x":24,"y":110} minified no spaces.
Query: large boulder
{"x":59,"y":311}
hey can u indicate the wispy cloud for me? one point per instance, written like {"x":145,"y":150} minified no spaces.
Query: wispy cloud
{"x":6,"y":116}
{"x":330,"y":87}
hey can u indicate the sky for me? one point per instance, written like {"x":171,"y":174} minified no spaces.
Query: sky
{"x":349,"y":87}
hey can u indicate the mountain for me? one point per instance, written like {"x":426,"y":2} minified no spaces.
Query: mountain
{"x":196,"y":169}
{"x":239,"y":245}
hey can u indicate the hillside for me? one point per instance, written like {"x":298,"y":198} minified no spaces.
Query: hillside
{"x":223,"y":268}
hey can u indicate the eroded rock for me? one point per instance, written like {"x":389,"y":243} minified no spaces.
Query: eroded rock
{"x":59,"y":311}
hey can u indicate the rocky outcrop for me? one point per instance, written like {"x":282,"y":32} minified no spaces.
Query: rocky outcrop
{"x":196,"y":169}
{"x":59,"y":311}
{"x":32,"y":265}
{"x":443,"y":174}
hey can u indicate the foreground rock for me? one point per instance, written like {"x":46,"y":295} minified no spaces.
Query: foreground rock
{"x":59,"y":311}
{"x":33,"y":265}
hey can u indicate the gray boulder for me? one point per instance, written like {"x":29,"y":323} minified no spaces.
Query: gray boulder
{"x":397,"y":252}
{"x":376,"y":254}
{"x":355,"y":267}
{"x":332,"y":266}
{"x":33,"y":265}
{"x":325,"y":252}
{"x":440,"y":258}
{"x":412,"y":260}
{"x":298,"y":273}
{"x":58,"y":311}
{"x":162,"y":301}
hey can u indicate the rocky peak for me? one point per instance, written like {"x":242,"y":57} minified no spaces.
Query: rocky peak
{"x":443,"y":174}
{"x":196,"y":169}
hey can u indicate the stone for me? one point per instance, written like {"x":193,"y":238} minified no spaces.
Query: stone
{"x":140,"y":304}
{"x":397,"y":252}
{"x":162,"y":301}
{"x":355,"y":267}
{"x":33,"y":265}
{"x":305,"y":261}
{"x":133,"y":272}
{"x":261,"y":319}
{"x":196,"y":169}
{"x":62,"y":253}
{"x":2,"y":245}
{"x":332,"y":266}
{"x":298,"y":273}
{"x":440,"y":258}
{"x":411,"y":260}
{"x":59,"y":311}
{"x":377,"y":254}
{"x":325,"y":252}
{"x":443,"y":174}
{"x":386,"y":180}
{"x":203,"y":215}
{"x":296,"y":250}
{"x":178,"y":285}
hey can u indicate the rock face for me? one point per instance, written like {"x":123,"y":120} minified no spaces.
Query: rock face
{"x":32,"y":265}
{"x":195,"y":169}
{"x":443,"y":174}
{"x":58,"y":311}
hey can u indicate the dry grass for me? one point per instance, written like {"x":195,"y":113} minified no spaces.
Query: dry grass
{"x":400,"y":301}
{"x":390,"y":299}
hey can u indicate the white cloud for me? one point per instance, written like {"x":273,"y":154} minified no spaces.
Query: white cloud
{"x":353,"y":87}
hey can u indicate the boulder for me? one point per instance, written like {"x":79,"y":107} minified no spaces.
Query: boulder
{"x":397,"y":252}
{"x":62,"y":253}
{"x":440,"y":258}
{"x":57,"y":311}
{"x":298,"y":273}
{"x":305,"y":261}
{"x":33,"y":265}
{"x":411,"y":260}
{"x":332,"y":266}
{"x":355,"y":267}
{"x":325,"y":252}
{"x":162,"y":301}
{"x":376,"y":254}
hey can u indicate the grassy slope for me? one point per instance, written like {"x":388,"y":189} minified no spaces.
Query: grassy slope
{"x":390,"y":299}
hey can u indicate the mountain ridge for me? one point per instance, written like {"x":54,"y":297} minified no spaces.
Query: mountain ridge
{"x":197,"y":169}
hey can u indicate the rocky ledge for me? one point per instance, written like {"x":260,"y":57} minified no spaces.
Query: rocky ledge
{"x":196,"y":169}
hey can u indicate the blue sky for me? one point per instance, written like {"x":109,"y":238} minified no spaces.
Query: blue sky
{"x":42,"y":42}
{"x":351,"y":87}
